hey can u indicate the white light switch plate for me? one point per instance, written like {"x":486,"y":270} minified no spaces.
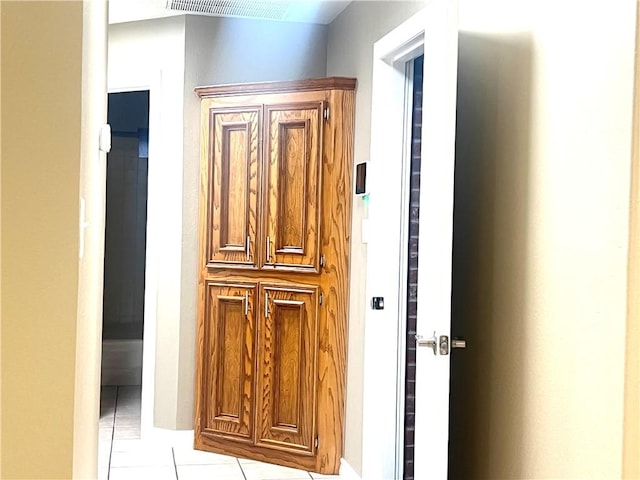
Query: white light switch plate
{"x":105,"y":138}
{"x":365,"y":230}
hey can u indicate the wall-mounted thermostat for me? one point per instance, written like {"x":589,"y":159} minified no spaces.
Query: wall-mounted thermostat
{"x":361,"y":178}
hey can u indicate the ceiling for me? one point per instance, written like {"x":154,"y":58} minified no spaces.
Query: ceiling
{"x":308,"y":11}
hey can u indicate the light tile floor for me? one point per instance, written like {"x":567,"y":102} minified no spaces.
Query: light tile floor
{"x":123,"y":455}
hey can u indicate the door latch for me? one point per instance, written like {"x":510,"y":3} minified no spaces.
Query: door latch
{"x":432,"y":342}
{"x":444,"y":345}
{"x":441,"y":345}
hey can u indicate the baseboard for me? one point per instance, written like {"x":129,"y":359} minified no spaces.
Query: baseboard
{"x":347,"y":472}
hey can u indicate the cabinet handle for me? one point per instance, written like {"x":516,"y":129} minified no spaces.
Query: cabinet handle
{"x":246,"y":303}
{"x":248,"y":247}
{"x":266,"y":304}
{"x":268,"y":249}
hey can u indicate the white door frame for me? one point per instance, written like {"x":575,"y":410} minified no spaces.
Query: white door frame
{"x":384,"y":338}
{"x":151,"y":257}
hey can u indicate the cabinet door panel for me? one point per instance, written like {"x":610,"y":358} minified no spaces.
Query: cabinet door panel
{"x":293,"y":156}
{"x":287,"y":375}
{"x":228,"y":360}
{"x":233,"y":187}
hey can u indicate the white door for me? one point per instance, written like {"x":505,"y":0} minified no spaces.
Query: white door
{"x":435,"y":243}
{"x":432,"y":32}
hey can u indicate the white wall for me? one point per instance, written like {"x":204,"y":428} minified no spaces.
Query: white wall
{"x":543,"y":178}
{"x":150,"y":55}
{"x":631,"y":442}
{"x":219,"y":51}
{"x":555,"y":210}
{"x":232,"y":50}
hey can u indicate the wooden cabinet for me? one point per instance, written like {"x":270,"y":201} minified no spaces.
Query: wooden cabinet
{"x":274,"y":226}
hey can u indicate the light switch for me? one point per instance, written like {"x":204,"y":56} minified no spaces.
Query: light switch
{"x":377,"y":303}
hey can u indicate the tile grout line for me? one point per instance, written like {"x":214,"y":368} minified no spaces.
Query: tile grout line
{"x":175,"y":466}
{"x":113,"y":433}
{"x":241,"y":469}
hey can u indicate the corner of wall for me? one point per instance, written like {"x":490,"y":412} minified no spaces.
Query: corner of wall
{"x":0,"y":239}
{"x":90,"y":272}
{"x":631,"y":435}
{"x":347,"y":472}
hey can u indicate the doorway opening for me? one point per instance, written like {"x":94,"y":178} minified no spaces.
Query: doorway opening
{"x":415,"y":70}
{"x":125,"y":254}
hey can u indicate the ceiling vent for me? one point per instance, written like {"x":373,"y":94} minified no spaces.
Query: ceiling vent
{"x":266,"y":10}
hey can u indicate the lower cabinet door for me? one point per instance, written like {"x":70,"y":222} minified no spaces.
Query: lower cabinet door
{"x":227,"y":358}
{"x":286,"y":394}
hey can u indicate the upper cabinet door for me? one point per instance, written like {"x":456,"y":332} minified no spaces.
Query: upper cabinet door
{"x":293,"y":153}
{"x":231,"y":190}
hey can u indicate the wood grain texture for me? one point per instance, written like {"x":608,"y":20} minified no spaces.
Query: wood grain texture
{"x":314,"y":84}
{"x":334,"y":283}
{"x":279,"y":444}
{"x":234,"y":186}
{"x":292,"y":182}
